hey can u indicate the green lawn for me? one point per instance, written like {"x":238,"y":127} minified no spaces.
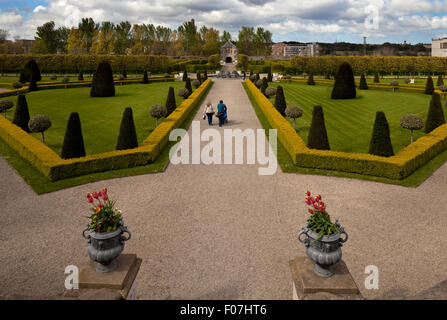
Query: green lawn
{"x":100,"y":117}
{"x":349,"y":123}
{"x":287,"y":165}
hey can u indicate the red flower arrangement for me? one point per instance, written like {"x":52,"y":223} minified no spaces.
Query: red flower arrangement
{"x":319,"y":221}
{"x":104,"y":218}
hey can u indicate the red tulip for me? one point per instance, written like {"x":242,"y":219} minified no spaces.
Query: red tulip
{"x":316,"y":206}
{"x":100,"y":205}
{"x":105,"y":197}
{"x":95,"y":195}
{"x":90,"y":200}
{"x":104,"y":191}
{"x":100,"y":194}
{"x":310,"y":211}
{"x":308,"y":193}
{"x":89,"y":195}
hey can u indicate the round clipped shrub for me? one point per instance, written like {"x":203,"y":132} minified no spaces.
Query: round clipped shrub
{"x":30,"y":70}
{"x":17,"y":85}
{"x":127,"y":138}
{"x":435,"y":117}
{"x":407,"y":80}
{"x":344,"y":86}
{"x":270,"y":91}
{"x":53,"y":78}
{"x":170,"y":101}
{"x":21,"y":115}
{"x":287,"y":77}
{"x":394,"y":84}
{"x":310,"y":80}
{"x":81,"y":76}
{"x":102,"y":83}
{"x":121,"y":77}
{"x":145,"y":78}
{"x":363,"y":85}
{"x":253,"y":78}
{"x":39,"y":123}
{"x":188,"y":86}
{"x":280,"y":101}
{"x":380,"y":144}
{"x":318,"y":138}
{"x":258,"y":83}
{"x":411,"y":122}
{"x":5,"y":105}
{"x":65,"y":79}
{"x":429,"y":87}
{"x":73,"y":146}
{"x":183,"y":92}
{"x":440,"y":81}
{"x":196,"y":83}
{"x":166,"y":75}
{"x":294,"y":112}
{"x":158,"y":111}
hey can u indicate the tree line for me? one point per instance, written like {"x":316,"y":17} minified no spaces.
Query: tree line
{"x":90,"y":37}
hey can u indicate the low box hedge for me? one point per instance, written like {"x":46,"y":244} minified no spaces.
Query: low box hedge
{"x":55,"y":168}
{"x":396,"y":167}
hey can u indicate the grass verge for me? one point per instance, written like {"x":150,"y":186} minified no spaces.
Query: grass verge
{"x":287,"y":165}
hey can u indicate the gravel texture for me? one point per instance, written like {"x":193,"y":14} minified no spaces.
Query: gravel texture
{"x":223,"y":231}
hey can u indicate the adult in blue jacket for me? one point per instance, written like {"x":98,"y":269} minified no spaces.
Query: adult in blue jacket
{"x":222,"y":112}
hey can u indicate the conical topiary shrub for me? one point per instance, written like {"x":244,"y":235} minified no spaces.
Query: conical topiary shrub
{"x":31,"y":68}
{"x":264,"y":85}
{"x":381,"y":142}
{"x":310,"y":80}
{"x":124,"y":73}
{"x":376,"y":78}
{"x":280,"y":101}
{"x":32,"y":84}
{"x":257,"y":77}
{"x":102,"y":83}
{"x":440,"y":81}
{"x":22,"y":78}
{"x":170,"y":101}
{"x":344,"y":86}
{"x":435,"y":117}
{"x":317,"y":138}
{"x":188,"y":86}
{"x":73,"y":146}
{"x":21,"y":114}
{"x":145,"y":78}
{"x":205,"y":75}
{"x":81,"y":76}
{"x":127,"y":138}
{"x":185,"y":75}
{"x":363,"y":85}
{"x":270,"y":77}
{"x":199,"y":77}
{"x":429,"y":87}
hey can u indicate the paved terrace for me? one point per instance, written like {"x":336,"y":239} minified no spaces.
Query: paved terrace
{"x":223,"y":231}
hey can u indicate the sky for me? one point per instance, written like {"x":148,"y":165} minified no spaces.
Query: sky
{"x":413,"y":21}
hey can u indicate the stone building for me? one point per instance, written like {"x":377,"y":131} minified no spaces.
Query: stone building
{"x":439,"y":47}
{"x":289,"y":49}
{"x":228,"y":52}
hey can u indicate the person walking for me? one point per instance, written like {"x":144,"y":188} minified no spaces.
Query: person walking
{"x":221,"y":112}
{"x":209,"y":111}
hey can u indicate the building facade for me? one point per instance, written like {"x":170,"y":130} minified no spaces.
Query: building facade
{"x":287,"y":49}
{"x":229,"y":52}
{"x":439,"y":47}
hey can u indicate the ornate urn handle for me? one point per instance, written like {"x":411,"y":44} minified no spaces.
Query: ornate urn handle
{"x":305,"y":240}
{"x":86,"y":236}
{"x":125,"y":230}
{"x":346,"y":236}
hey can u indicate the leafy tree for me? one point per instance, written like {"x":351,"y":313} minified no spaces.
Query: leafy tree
{"x":40,"y":123}
{"x":102,"y":83}
{"x":49,"y":36}
{"x":127,"y":138}
{"x":170,"y":101}
{"x":74,"y":42}
{"x":21,"y":115}
{"x":429,"y":87}
{"x":280,"y":101}
{"x":318,"y":138}
{"x":435,"y":117}
{"x":87,"y":28}
{"x":73,"y":146}
{"x":158,"y":111}
{"x":344,"y":86}
{"x":294,"y":112}
{"x":380,"y":144}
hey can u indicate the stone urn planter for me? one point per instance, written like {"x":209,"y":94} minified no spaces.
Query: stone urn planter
{"x":326,"y":251}
{"x":105,"y":247}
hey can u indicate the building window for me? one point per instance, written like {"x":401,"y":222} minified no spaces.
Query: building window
{"x":443,"y":45}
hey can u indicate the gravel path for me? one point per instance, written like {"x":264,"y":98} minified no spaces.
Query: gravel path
{"x":223,"y":231}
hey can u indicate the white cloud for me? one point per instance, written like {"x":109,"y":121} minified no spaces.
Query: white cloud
{"x":282,"y":17}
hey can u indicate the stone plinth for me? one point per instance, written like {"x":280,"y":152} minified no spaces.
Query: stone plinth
{"x":308,"y":286}
{"x":115,"y":285}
